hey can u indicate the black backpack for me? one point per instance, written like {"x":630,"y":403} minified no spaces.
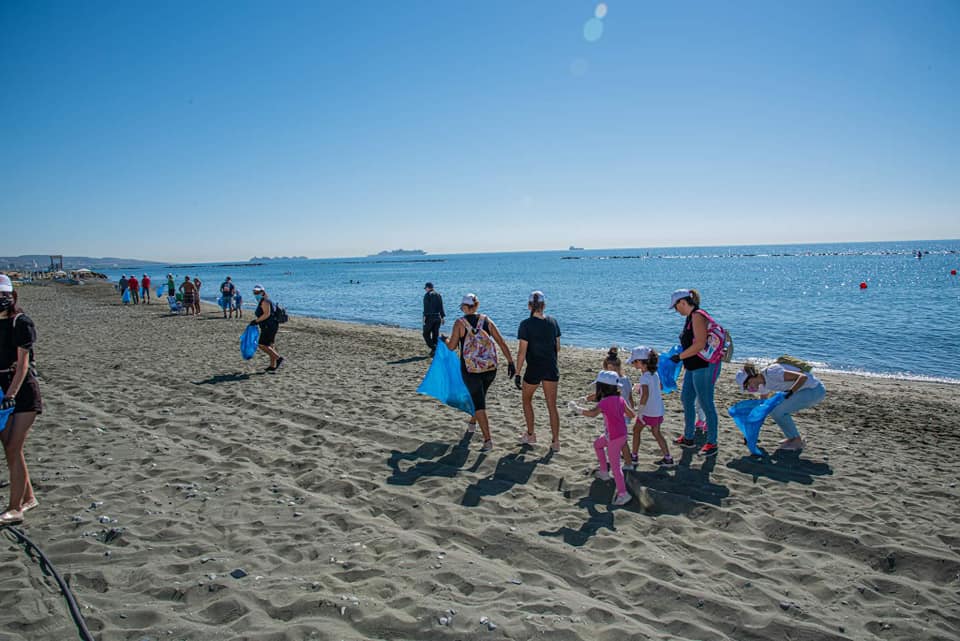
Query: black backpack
{"x":279,"y":313}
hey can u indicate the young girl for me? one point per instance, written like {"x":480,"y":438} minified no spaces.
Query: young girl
{"x":608,"y":446}
{"x":650,"y":407}
{"x":611,"y":362}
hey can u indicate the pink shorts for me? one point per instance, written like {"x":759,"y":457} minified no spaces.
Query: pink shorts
{"x":651,"y":421}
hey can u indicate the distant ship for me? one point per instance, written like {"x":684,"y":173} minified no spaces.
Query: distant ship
{"x":401,"y":252}
{"x":576,"y":249}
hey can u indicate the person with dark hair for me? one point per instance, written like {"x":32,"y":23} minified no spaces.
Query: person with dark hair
{"x":608,"y":446}
{"x":227,"y":291}
{"x":433,"y":317}
{"x":190,"y":295}
{"x":171,"y":285}
{"x":650,"y":408}
{"x":134,"y":286}
{"x":145,"y":285}
{"x":701,"y":376}
{"x":265,"y":318}
{"x":21,"y":392}
{"x":475,"y":335}
{"x":122,"y":284}
{"x":196,"y":299}
{"x":797,"y":382}
{"x":539,"y":346}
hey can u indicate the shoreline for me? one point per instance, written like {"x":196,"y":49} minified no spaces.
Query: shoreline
{"x":360,"y":510}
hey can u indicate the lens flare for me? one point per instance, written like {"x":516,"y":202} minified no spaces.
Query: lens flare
{"x":593,"y":29}
{"x":601,"y":10}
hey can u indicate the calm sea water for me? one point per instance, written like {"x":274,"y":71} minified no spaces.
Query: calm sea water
{"x":803,"y":299}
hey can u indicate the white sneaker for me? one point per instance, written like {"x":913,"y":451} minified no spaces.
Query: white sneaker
{"x":528,"y":439}
{"x":603,"y":476}
{"x":622,"y":499}
{"x":487,"y":446}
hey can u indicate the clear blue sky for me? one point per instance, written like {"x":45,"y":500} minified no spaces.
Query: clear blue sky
{"x":344,"y":128}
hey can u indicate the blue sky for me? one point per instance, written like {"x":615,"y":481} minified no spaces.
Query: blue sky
{"x":221,"y":130}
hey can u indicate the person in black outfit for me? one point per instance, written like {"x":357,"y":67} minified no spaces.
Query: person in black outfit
{"x":21,"y":393}
{"x":539,"y":346}
{"x":264,"y":317}
{"x":433,"y":317}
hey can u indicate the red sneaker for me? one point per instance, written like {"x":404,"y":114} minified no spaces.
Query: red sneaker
{"x":710,"y":449}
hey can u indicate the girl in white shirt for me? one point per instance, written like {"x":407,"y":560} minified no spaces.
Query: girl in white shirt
{"x":649,"y":404}
{"x":802,"y":389}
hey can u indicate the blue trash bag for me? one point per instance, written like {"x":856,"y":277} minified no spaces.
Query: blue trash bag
{"x":444,"y":382}
{"x":126,"y":296}
{"x":161,"y":292}
{"x":221,"y":303}
{"x":749,"y":416}
{"x":248,"y":341}
{"x":4,"y":415}
{"x":668,"y":370}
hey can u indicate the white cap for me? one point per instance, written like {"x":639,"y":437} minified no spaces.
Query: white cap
{"x":469,"y":300}
{"x":639,"y":353}
{"x":6,"y":285}
{"x":536,"y":296}
{"x":257,"y":289}
{"x":608,"y":377}
{"x":677,"y":296}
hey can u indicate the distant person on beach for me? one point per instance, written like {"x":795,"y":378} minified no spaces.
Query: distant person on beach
{"x":801,"y":387}
{"x":475,"y":335}
{"x":264,"y":317}
{"x":608,"y":447}
{"x":18,"y":382}
{"x":189,"y":291}
{"x":433,"y":317}
{"x":227,"y":290}
{"x":701,"y":377}
{"x":650,"y":408}
{"x":171,"y":285}
{"x":196,"y":301}
{"x":145,"y":284}
{"x":122,"y":284}
{"x":539,"y":347}
{"x":134,"y":286}
{"x":238,"y":304}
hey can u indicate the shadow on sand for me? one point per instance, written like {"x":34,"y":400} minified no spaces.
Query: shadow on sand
{"x":783,"y":466}
{"x":449,"y":461}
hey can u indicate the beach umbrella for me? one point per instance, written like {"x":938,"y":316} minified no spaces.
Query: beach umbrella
{"x":444,"y":382}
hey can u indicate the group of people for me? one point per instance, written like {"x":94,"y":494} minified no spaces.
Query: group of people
{"x":133,"y":291}
{"x":620,"y":402}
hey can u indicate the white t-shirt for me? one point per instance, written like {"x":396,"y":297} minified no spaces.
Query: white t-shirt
{"x":774,"y":380}
{"x":625,"y":388}
{"x":654,"y":406}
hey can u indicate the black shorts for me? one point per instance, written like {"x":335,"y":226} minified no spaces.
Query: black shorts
{"x":536,"y":375}
{"x":477,"y":385}
{"x":28,"y":398}
{"x":268,"y":334}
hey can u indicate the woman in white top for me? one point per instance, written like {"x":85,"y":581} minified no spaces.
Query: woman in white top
{"x":802,"y":389}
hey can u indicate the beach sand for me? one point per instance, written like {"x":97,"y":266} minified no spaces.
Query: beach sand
{"x":358,"y":510}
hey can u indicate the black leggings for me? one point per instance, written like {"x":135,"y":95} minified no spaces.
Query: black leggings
{"x":477,"y":385}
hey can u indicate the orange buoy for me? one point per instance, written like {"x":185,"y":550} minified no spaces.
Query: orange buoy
{"x":863,"y":285}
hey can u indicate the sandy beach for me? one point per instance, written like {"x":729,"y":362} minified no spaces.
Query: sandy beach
{"x":357,"y":509}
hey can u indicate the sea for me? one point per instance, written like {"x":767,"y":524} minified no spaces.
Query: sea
{"x":883,"y":309}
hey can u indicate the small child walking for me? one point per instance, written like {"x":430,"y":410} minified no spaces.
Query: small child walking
{"x":608,"y":446}
{"x":650,"y":404}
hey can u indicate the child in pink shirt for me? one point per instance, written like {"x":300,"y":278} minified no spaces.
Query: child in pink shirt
{"x":615,"y":411}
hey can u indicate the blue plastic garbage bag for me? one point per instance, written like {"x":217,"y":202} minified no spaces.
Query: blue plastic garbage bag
{"x":444,"y":382}
{"x":222,"y":302}
{"x":161,"y":292}
{"x":749,"y":416}
{"x":126,"y":296}
{"x":4,"y":415}
{"x":668,"y":370}
{"x":248,"y":341}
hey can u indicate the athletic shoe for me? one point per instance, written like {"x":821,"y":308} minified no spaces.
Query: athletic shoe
{"x":603,"y":476}
{"x":528,"y":438}
{"x":635,"y":459}
{"x":555,"y":446}
{"x":629,"y":468}
{"x":622,"y":499}
{"x":280,"y":362}
{"x":710,"y":449}
{"x":684,"y":442}
{"x":666,"y":461}
{"x":487,"y":446}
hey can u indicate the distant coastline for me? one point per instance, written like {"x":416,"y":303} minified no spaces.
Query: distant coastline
{"x":400,"y":252}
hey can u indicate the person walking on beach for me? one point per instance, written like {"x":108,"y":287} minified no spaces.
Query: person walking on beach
{"x":616,"y":413}
{"x":796,"y":381}
{"x":475,"y":335}
{"x":237,"y":305}
{"x":196,"y":299}
{"x":701,"y":377}
{"x":145,"y":284}
{"x":539,"y":347}
{"x":21,"y":392}
{"x":227,"y":290}
{"x":433,"y":317}
{"x":650,"y":408}
{"x":171,"y":285}
{"x":122,"y":284}
{"x":134,"y":286}
{"x":189,"y":291}
{"x":265,"y":318}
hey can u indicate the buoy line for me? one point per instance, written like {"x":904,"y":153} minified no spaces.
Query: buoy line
{"x":46,"y":566}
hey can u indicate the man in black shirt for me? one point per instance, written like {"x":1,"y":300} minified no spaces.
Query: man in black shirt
{"x":432,"y":317}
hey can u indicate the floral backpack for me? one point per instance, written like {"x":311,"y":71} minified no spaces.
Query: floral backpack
{"x":719,"y":346}
{"x":479,"y":351}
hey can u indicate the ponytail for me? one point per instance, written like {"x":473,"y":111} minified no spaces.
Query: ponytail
{"x":694,"y":298}
{"x":652,"y":361}
{"x":613,"y":357}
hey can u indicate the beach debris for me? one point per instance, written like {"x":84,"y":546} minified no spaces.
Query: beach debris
{"x":891,"y":561}
{"x":112,"y":534}
{"x":212,"y":577}
{"x":238,"y":573}
{"x":106,"y":519}
{"x":516,"y":581}
{"x":343,"y":610}
{"x":484,"y":620}
{"x":443,"y":621}
{"x":787,"y":605}
{"x":95,"y":505}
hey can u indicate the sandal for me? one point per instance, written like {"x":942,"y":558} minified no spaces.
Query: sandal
{"x":29,"y":505}
{"x":11,"y":517}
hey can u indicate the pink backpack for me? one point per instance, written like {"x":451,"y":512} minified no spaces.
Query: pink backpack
{"x":479,"y":351}
{"x":716,"y":347}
